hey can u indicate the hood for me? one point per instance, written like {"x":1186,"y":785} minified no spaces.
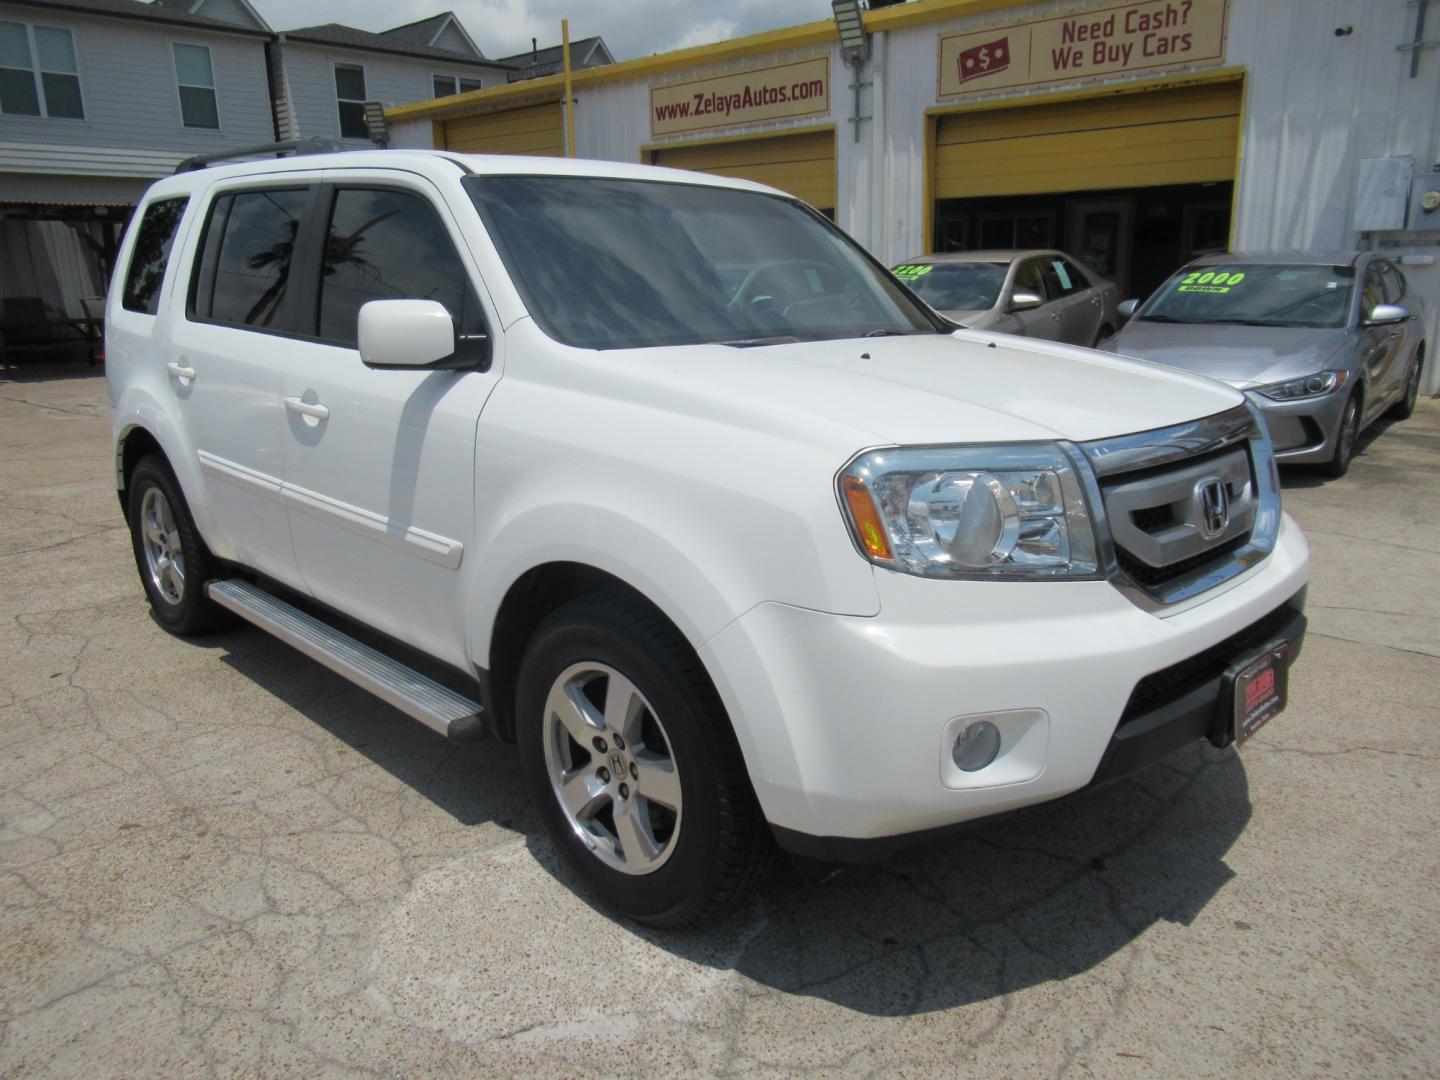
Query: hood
{"x":1242,"y":356}
{"x":971,"y":386}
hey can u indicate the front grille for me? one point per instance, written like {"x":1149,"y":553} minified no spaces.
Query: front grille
{"x":1159,"y":490}
{"x":1151,"y":576}
{"x":1169,"y":683}
{"x":1159,"y":519}
{"x":1153,"y":519}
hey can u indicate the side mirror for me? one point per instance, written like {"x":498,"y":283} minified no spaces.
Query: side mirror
{"x":1126,"y":308}
{"x":1385,"y":314}
{"x":405,"y":333}
{"x":1024,"y":300}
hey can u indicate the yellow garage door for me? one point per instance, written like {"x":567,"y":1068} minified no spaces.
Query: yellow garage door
{"x":533,"y":129}
{"x":1184,"y":136}
{"x":803,"y":165}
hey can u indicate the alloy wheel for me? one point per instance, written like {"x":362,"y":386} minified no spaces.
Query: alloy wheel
{"x":164,"y":553}
{"x":611,"y":768}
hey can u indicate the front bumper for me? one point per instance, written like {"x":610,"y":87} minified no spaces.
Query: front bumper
{"x":846,"y":723}
{"x":1303,"y":432}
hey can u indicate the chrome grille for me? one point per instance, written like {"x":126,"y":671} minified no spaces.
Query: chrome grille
{"x":1186,"y":508}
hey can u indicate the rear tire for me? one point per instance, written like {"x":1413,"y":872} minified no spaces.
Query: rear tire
{"x":1347,"y":434}
{"x":173,"y":561}
{"x":1402,"y":409}
{"x":660,"y":822}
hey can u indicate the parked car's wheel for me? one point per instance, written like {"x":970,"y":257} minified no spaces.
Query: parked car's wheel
{"x":173,"y":560}
{"x":1347,"y":434}
{"x":633,"y":766}
{"x":1402,"y":409}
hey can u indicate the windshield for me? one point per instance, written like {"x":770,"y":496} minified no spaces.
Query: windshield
{"x":955,"y":286}
{"x":611,"y":264}
{"x":1255,"y":295}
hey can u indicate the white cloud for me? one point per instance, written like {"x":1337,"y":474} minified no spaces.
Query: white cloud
{"x":631,"y":28}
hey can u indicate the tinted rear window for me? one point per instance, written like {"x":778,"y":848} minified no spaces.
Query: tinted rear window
{"x":151,"y":255}
{"x":244,"y":272}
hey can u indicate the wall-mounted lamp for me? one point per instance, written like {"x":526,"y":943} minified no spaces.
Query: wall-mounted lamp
{"x":851,"y":24}
{"x":375,"y":124}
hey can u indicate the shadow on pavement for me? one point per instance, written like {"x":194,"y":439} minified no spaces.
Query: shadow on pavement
{"x":1043,"y":894}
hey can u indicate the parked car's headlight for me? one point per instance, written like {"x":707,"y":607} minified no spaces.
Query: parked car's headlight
{"x":1322,"y":382}
{"x":1003,"y":511}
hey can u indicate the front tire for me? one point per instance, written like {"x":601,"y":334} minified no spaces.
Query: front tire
{"x":173,"y":561}
{"x":633,"y":766}
{"x":1347,"y":434}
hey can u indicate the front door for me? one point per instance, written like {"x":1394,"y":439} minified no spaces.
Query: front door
{"x":1382,"y":344}
{"x":1038,"y":322}
{"x":380,"y":464}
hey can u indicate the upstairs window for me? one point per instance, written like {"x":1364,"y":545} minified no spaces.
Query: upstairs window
{"x":38,"y":72}
{"x":350,"y":99}
{"x":195,"y":78}
{"x":449,"y":85}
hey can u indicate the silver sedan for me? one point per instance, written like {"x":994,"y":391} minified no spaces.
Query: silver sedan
{"x":1040,"y":294}
{"x":1325,"y":344}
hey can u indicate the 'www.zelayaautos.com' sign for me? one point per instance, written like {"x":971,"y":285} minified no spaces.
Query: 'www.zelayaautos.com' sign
{"x":782,"y":92}
{"x":1081,"y":45}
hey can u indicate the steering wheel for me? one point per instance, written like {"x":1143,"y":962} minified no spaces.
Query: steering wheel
{"x":738,"y":299}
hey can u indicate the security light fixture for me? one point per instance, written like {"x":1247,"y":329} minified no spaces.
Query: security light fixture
{"x":375,"y":124}
{"x":851,"y":24}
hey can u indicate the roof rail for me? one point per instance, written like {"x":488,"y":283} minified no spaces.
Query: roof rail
{"x":313,"y":144}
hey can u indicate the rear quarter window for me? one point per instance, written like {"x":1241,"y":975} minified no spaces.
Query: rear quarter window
{"x":153,"y":241}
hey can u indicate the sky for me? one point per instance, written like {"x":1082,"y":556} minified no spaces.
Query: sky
{"x":631,"y":28}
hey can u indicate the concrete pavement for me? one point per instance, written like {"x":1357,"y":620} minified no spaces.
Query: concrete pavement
{"x":216,"y":857}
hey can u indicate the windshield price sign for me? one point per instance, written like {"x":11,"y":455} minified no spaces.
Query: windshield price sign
{"x":1083,"y":45}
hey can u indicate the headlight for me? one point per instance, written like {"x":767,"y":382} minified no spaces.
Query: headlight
{"x":977,"y":512}
{"x":1322,"y":382}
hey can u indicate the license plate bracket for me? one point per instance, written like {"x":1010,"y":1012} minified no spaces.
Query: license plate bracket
{"x":1260,"y":688}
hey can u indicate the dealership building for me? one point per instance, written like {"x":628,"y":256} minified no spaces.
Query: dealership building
{"x":1130,"y":134}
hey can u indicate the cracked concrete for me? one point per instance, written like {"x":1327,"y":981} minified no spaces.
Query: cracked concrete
{"x":216,"y":858}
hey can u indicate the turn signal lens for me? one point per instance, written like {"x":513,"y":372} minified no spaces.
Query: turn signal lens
{"x":868,"y":528}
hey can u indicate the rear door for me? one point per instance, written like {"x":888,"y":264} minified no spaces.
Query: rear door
{"x":380,"y":464}
{"x":1077,"y":299}
{"x":227,"y":355}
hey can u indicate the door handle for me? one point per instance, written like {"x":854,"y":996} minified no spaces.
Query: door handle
{"x":182,"y":371}
{"x":305,"y":408}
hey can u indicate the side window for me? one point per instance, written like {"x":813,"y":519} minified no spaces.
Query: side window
{"x":388,"y":245}
{"x":1394,"y":283}
{"x":1374,"y":291}
{"x":151,"y":255}
{"x":243,"y":274}
{"x":1031,"y":278}
{"x":1071,"y":276}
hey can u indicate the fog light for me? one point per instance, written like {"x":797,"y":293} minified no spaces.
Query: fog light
{"x":977,"y":746}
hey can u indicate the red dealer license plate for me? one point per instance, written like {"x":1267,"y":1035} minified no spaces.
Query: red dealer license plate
{"x":1260,"y":692}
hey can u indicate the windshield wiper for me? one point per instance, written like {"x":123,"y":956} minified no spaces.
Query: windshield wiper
{"x":1168,"y":318}
{"x":884,"y":332}
{"x":750,"y":343}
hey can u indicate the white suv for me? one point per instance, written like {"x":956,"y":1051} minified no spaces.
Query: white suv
{"x":740,"y":541}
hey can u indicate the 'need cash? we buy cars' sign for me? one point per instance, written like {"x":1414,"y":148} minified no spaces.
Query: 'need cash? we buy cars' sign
{"x":782,"y":92}
{"x":1088,"y":44}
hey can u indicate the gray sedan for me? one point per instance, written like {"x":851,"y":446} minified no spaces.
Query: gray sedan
{"x":1325,"y":344}
{"x":1041,"y":294}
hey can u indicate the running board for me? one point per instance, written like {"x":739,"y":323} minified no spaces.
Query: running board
{"x":437,"y":707}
